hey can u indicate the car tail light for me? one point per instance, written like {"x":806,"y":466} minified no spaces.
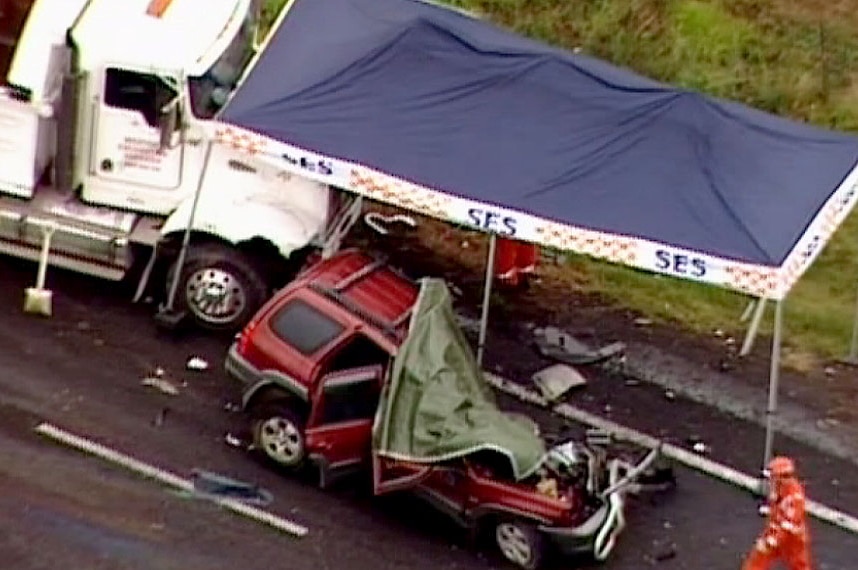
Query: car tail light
{"x":244,"y":337}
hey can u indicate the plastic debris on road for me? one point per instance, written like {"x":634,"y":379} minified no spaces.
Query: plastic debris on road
{"x":554,"y":381}
{"x":197,"y":363}
{"x":165,"y":386}
{"x":209,"y":485}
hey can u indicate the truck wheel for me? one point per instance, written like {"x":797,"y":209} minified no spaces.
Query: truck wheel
{"x":278,"y":432}
{"x":520,"y":543}
{"x":220,"y":287}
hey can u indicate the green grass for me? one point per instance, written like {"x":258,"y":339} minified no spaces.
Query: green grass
{"x":796,"y":58}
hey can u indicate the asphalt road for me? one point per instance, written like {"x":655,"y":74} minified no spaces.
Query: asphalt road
{"x":82,"y":370}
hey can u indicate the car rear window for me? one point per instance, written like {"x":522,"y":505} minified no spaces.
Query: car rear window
{"x":297,"y":323}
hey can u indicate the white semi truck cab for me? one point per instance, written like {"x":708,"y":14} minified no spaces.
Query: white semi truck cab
{"x":107,"y":133}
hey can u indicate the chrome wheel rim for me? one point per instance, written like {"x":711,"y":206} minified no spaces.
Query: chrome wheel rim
{"x":513,"y":544}
{"x":281,"y":440}
{"x":215,"y":296}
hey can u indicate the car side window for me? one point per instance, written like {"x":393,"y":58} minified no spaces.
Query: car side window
{"x":303,"y":327}
{"x":356,"y":352}
{"x":348,"y":401}
{"x":133,"y":91}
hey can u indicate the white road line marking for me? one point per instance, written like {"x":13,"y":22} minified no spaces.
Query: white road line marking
{"x":165,"y":477}
{"x":691,"y":460}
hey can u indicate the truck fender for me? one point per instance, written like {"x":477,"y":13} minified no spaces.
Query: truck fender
{"x":273,"y":379}
{"x":240,"y":221}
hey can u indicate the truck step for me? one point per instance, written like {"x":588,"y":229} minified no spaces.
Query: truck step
{"x":78,"y":246}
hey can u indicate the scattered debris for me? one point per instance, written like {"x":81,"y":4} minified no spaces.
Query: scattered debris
{"x":666,"y":553}
{"x":212,"y":485}
{"x":556,"y":380}
{"x":160,"y":417}
{"x":642,"y":321}
{"x":233,"y":441}
{"x":231,"y":407}
{"x":633,"y":382}
{"x":670,"y":395}
{"x":559,"y":345}
{"x":377,"y":221}
{"x":700,"y":448}
{"x":729,"y":341}
{"x":161,"y":384}
{"x":830,"y":371}
{"x":197,"y":363}
{"x":718,"y":332}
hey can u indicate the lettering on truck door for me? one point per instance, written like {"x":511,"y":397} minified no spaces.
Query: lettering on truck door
{"x":127,"y":139}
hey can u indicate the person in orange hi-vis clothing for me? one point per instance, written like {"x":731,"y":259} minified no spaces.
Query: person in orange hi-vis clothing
{"x":515,"y":261}
{"x":785,"y":537}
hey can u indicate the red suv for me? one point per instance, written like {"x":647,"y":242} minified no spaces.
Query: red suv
{"x":314,"y":362}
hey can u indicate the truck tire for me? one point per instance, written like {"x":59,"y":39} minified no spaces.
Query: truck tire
{"x":278,"y":433}
{"x":520,"y":543}
{"x":220,"y":287}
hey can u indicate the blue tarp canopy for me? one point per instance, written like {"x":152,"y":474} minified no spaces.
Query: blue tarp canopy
{"x":471,"y":123}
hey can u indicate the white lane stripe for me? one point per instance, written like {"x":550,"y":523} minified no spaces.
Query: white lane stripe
{"x":827,"y":514}
{"x":165,"y":477}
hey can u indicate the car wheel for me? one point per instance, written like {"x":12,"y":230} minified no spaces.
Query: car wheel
{"x":220,"y":288}
{"x":278,"y":433}
{"x":520,"y":543}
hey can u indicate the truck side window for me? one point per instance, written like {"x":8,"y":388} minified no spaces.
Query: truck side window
{"x":346,"y":402}
{"x":142,"y":92}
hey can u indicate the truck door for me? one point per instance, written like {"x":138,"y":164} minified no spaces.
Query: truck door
{"x":127,"y":143}
{"x":340,"y":426}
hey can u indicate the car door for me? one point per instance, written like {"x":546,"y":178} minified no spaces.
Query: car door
{"x":127,"y":143}
{"x":340,"y":426}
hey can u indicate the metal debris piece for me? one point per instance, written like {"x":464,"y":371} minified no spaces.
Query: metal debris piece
{"x":159,"y":383}
{"x":560,"y":345}
{"x":554,"y":381}
{"x":232,"y":441}
{"x":212,"y":485}
{"x":197,"y":363}
{"x":160,"y":417}
{"x":700,"y":447}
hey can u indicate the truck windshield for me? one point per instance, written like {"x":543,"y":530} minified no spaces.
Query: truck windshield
{"x":209,"y":92}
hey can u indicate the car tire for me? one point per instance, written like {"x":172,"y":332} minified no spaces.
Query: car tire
{"x":520,"y":543}
{"x":278,"y":433}
{"x":220,"y":287}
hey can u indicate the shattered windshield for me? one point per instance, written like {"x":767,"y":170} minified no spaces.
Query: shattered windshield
{"x":210,"y":91}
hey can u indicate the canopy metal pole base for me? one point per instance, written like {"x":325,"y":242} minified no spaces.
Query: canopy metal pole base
{"x":167,"y":316}
{"x":774,"y":378}
{"x":487,"y":293}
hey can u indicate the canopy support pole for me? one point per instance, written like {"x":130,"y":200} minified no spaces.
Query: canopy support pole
{"x":487,"y":293}
{"x":759,"y":306}
{"x":167,"y":316}
{"x":774,"y":377}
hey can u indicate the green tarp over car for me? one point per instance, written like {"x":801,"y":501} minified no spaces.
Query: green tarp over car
{"x":436,"y":405}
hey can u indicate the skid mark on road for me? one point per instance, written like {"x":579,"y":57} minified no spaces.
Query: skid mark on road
{"x":165,"y":477}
